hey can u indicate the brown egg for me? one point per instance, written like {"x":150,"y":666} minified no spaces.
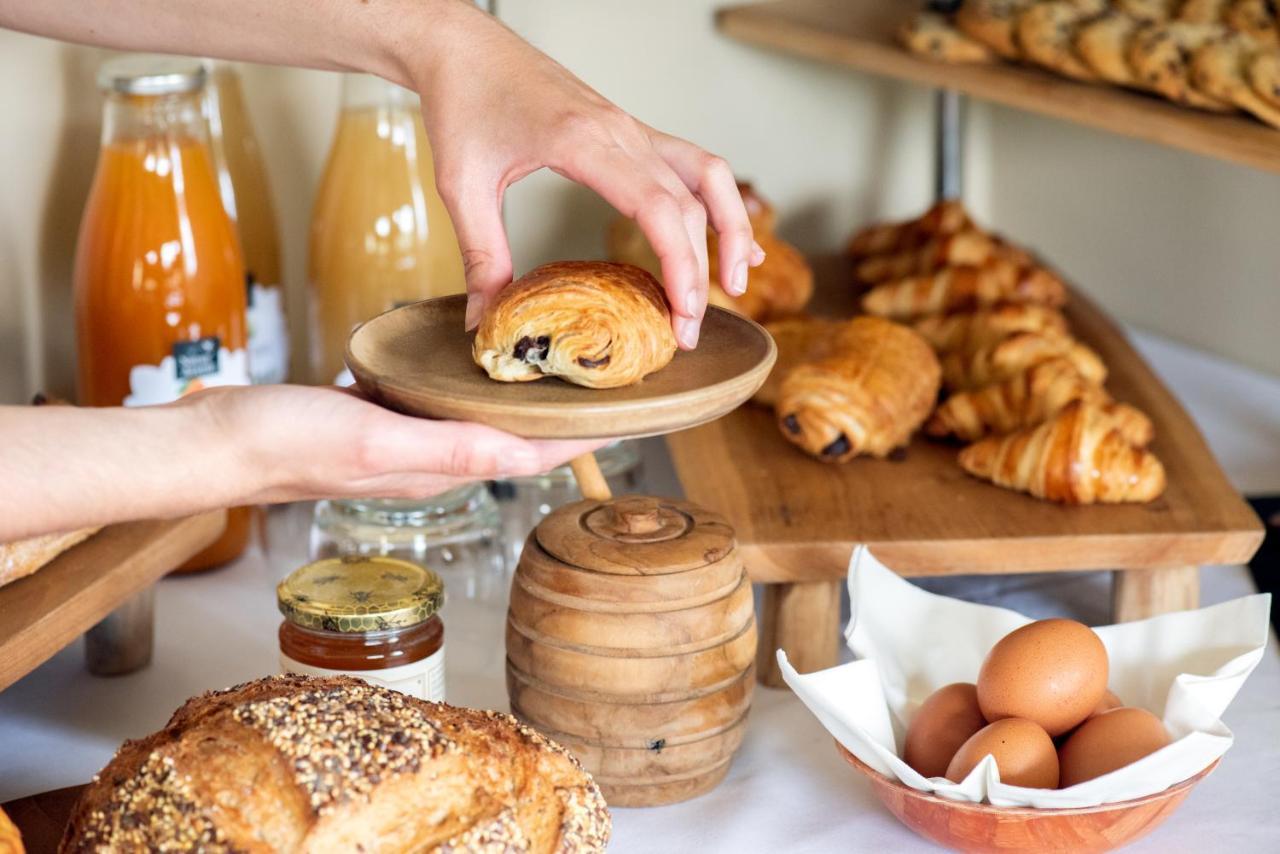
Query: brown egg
{"x":944,"y":722}
{"x":1052,"y":672}
{"x":1023,"y":750}
{"x":1108,"y":702}
{"x":1109,"y":741}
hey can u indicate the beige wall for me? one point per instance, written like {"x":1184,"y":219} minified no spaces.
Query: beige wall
{"x":1178,"y":243}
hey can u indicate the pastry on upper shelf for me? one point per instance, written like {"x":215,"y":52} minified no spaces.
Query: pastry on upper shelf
{"x":779,"y":287}
{"x":1046,"y":34}
{"x":1103,"y":44}
{"x":1080,"y":456}
{"x":1014,"y":354}
{"x":300,"y":763}
{"x":1160,"y":55}
{"x":993,"y":23}
{"x":885,"y":238}
{"x":1264,"y":75}
{"x":592,"y":323}
{"x":1255,"y":19}
{"x":960,"y":288}
{"x":1220,"y":69}
{"x":1028,"y":398}
{"x":972,"y":330}
{"x":932,"y":35}
{"x":799,"y":340}
{"x":867,"y":397}
{"x":970,"y":246}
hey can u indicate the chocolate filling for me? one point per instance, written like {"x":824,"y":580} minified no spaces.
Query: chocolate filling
{"x":529,"y":349}
{"x":838,"y":448}
{"x":792,"y":424}
{"x":593,"y":363}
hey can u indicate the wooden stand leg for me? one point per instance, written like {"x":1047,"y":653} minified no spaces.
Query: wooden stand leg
{"x":1140,"y":593}
{"x":123,"y":640}
{"x":591,"y":481}
{"x":804,"y":620}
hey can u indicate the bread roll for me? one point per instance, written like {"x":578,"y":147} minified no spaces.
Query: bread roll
{"x":295,"y":763}
{"x":23,"y":557}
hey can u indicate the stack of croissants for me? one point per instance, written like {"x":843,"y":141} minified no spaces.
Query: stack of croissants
{"x":947,"y":305}
{"x":1218,"y":55}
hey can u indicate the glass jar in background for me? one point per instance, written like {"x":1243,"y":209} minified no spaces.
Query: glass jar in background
{"x":524,"y":501}
{"x":458,"y":535}
{"x":375,"y":618}
{"x":246,"y":196}
{"x":380,"y":235}
{"x":159,"y":280}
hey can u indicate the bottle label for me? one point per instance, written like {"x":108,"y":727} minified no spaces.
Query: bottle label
{"x":422,"y":679}
{"x":192,"y":365}
{"x":268,"y":333}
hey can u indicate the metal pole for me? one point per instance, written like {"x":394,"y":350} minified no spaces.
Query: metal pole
{"x":949,"y":110}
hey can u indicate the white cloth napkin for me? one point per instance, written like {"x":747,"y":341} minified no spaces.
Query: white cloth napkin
{"x":1185,"y":667}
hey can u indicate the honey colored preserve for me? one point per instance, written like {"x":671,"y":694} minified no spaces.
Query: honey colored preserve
{"x":380,"y":235}
{"x":159,"y":281}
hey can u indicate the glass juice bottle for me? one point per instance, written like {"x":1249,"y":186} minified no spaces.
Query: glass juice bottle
{"x":159,"y":280}
{"x":246,"y":196}
{"x":380,"y":235}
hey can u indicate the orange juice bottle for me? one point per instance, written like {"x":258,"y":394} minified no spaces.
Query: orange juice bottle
{"x":159,"y":281}
{"x":242,"y":179}
{"x":380,"y":235}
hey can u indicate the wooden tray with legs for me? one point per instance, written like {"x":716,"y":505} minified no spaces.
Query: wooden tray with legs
{"x":798,"y":519}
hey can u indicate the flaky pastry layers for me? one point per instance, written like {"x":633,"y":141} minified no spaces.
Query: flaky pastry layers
{"x":593,"y":323}
{"x":867,"y":397}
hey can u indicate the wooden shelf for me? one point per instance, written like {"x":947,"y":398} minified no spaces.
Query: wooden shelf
{"x":797,"y":518}
{"x":42,"y":613}
{"x":860,"y":34}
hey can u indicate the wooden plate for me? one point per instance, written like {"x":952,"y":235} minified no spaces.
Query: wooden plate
{"x":1024,"y":830}
{"x":417,"y":360}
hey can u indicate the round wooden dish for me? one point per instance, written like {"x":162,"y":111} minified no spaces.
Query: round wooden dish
{"x":986,"y":828}
{"x":416,"y":359}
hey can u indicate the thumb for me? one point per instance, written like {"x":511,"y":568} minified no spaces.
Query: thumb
{"x":476,"y":210}
{"x":458,"y":449}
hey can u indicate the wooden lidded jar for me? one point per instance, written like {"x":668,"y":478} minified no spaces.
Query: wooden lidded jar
{"x":631,"y":638}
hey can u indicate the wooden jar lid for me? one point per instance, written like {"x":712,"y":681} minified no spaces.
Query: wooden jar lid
{"x":635,"y":535}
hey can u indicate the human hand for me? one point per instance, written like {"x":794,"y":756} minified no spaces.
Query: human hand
{"x":329,"y":442}
{"x":497,"y":109}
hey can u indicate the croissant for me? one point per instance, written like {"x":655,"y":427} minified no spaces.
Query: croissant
{"x":1078,"y":457}
{"x":867,"y":397}
{"x":799,"y":340}
{"x":1014,"y":354}
{"x":964,"y":247}
{"x":1028,"y":398}
{"x":959,"y":288}
{"x":973,"y":330}
{"x":592,"y":323}
{"x":945,"y":217}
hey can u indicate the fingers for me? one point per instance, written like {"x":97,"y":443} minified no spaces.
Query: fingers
{"x":641,"y":186}
{"x":399,"y":444}
{"x":475,"y":205}
{"x":711,"y":179}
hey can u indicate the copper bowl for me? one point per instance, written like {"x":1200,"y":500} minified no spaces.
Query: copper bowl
{"x":985,"y":828}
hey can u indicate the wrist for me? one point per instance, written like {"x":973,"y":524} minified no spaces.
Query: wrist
{"x":235,"y":456}
{"x":416,"y":44}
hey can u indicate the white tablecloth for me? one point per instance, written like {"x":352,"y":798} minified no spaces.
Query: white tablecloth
{"x":787,"y":789}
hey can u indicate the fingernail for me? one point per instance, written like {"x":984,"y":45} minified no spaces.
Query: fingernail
{"x":691,"y":304}
{"x":688,"y":334}
{"x":475,"y":308}
{"x":757,"y":254}
{"x":738,"y":285}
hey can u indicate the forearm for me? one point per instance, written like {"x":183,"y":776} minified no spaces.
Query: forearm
{"x":64,"y":467}
{"x":384,"y":37}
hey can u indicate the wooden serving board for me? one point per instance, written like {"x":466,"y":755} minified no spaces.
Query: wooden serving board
{"x":42,"y":818}
{"x":797,"y":518}
{"x":42,"y":613}
{"x":860,"y":34}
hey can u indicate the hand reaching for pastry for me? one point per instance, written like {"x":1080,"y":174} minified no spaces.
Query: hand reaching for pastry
{"x":496,"y":109}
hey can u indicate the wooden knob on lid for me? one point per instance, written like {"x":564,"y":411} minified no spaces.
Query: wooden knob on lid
{"x":635,"y":516}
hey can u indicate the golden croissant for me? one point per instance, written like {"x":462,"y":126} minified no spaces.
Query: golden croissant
{"x":799,"y":340}
{"x":1080,"y":456}
{"x":968,"y":247}
{"x":965,"y":287}
{"x":1028,"y":398}
{"x":592,"y":323}
{"x":877,"y":386}
{"x":946,"y":217}
{"x":973,"y":330}
{"x":1014,"y":354}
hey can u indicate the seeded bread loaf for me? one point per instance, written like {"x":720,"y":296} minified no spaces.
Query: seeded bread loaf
{"x":294,"y":763}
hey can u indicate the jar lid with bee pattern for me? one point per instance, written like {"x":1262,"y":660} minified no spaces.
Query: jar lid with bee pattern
{"x":360,"y":594}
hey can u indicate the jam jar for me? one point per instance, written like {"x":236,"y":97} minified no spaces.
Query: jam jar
{"x":376,"y":618}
